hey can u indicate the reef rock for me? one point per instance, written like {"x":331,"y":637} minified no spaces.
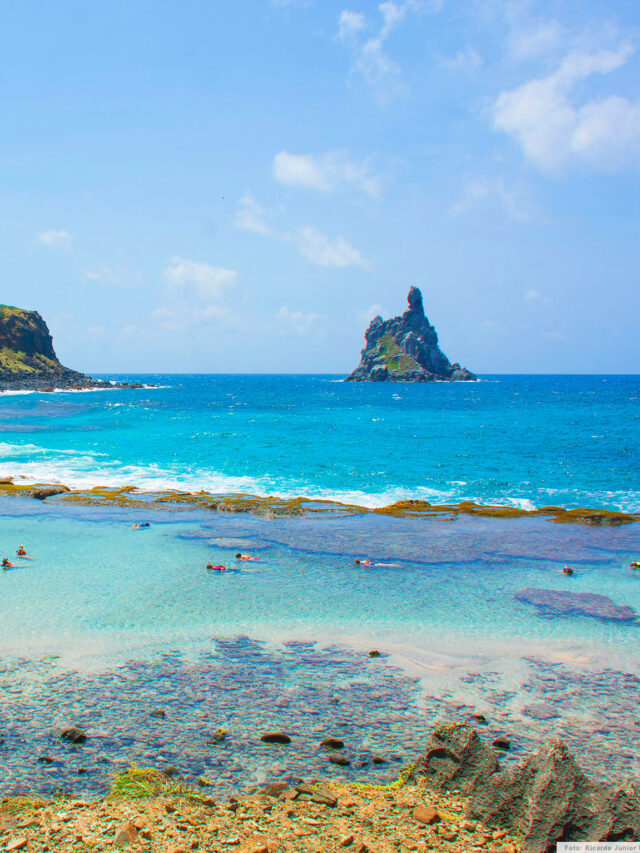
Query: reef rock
{"x":27,"y":358}
{"x":548,"y":798}
{"x":405,"y":349}
{"x":556,"y":602}
{"x":545,"y":799}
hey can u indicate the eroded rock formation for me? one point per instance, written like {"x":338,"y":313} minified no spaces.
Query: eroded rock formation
{"x":405,"y":349}
{"x":545,"y":799}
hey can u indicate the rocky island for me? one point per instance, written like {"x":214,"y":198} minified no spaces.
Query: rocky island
{"x":28,"y":361}
{"x":405,"y":349}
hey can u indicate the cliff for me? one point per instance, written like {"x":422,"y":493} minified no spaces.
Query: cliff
{"x":27,"y":358}
{"x":405,"y":349}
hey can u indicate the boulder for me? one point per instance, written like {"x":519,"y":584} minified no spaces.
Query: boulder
{"x":456,"y":759}
{"x":555,"y":602}
{"x":73,"y":735}
{"x":49,"y":492}
{"x":275,"y":737}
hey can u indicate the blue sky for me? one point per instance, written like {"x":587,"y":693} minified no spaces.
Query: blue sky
{"x":239,"y":187}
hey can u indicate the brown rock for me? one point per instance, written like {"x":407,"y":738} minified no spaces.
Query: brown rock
{"x":73,"y":735}
{"x":374,"y":653}
{"x":333,"y":743}
{"x":425,"y":814}
{"x":275,"y":737}
{"x":16,"y":844}
{"x":126,"y":833}
{"x":346,"y":840}
{"x":342,"y":760}
{"x":456,"y":759}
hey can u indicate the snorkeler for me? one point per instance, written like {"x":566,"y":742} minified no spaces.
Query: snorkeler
{"x":244,"y":557}
{"x":567,"y":571}
{"x":21,"y":551}
{"x":141,"y":525}
{"x":216,"y":568}
{"x":6,"y":564}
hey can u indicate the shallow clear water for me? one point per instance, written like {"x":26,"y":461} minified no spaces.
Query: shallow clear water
{"x":99,"y":595}
{"x":524,"y":440}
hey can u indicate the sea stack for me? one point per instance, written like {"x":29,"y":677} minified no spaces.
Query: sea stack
{"x":27,"y":358}
{"x":405,"y":349}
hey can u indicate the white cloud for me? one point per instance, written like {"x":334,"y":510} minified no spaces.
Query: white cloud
{"x":512,"y":199}
{"x":297,"y":322}
{"x":349,"y":24}
{"x":381,"y":72}
{"x":464,"y":60}
{"x":534,"y":297}
{"x":208,"y":282}
{"x":250,"y":216}
{"x":318,"y":249}
{"x":54,"y":237}
{"x":534,"y":39}
{"x":325,"y":172}
{"x":553,"y":131}
{"x":369,"y":313}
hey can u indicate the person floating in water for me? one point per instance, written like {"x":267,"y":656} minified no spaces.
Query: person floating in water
{"x":141,"y":525}
{"x":21,"y":551}
{"x":244,"y":557}
{"x":567,"y":571}
{"x":216,"y":568}
{"x":635,"y":564}
{"x":6,"y":564}
{"x":360,"y":562}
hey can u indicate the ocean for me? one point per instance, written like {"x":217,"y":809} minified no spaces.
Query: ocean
{"x":526,"y":441}
{"x":107,"y":623}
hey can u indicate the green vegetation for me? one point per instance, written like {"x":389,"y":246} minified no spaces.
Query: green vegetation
{"x":146,"y":782}
{"x":395,"y":360}
{"x":18,"y":805}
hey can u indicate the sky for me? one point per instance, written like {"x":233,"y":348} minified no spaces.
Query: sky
{"x":216,"y":187}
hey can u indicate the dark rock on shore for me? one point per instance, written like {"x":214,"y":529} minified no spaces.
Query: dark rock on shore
{"x":555,"y":602}
{"x":41,"y":494}
{"x":405,"y":349}
{"x":545,"y":799}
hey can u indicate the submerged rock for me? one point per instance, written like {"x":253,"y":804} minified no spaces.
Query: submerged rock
{"x":405,"y":349}
{"x":560,"y":603}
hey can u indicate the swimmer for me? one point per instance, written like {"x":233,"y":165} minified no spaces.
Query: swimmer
{"x":360,"y":562}
{"x":244,"y":557}
{"x":567,"y":571}
{"x":6,"y":564}
{"x":141,"y":525}
{"x":21,"y":551}
{"x":635,"y":564}
{"x":216,"y":568}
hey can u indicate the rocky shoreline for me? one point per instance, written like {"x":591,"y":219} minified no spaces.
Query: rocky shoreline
{"x":275,"y":507}
{"x":454,"y":798}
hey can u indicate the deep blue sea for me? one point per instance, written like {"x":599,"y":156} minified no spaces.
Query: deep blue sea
{"x":106,"y":622}
{"x":523,"y":440}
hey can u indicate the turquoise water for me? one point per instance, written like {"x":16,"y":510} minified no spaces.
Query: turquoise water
{"x":107,"y":622}
{"x":521,"y":440}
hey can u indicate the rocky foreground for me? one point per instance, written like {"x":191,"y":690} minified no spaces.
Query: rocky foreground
{"x":405,"y":349}
{"x":455,"y":798}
